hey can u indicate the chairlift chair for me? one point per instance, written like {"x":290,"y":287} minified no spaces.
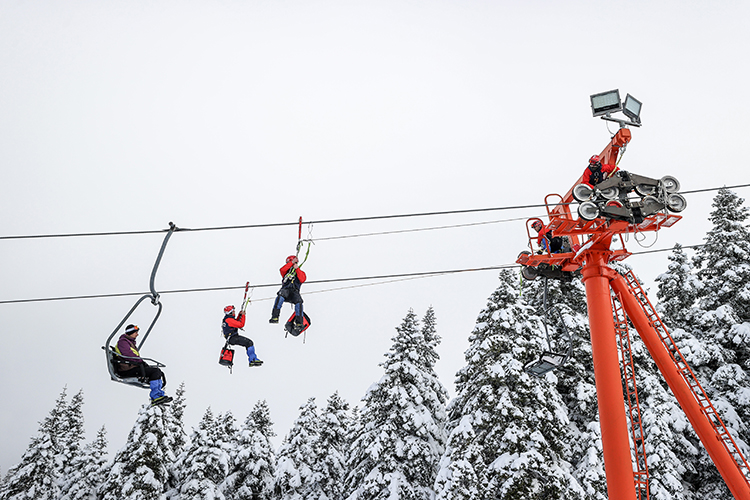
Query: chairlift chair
{"x":552,"y":358}
{"x":112,"y":356}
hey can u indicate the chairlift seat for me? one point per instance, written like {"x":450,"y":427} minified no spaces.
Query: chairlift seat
{"x":114,"y":359}
{"x":547,"y":362}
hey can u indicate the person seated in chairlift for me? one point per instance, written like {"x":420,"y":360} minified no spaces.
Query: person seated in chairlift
{"x":292,"y":279}
{"x":596,"y":172}
{"x":230,"y":327}
{"x":132,"y":365}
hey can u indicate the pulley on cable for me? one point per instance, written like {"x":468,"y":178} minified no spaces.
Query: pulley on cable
{"x":129,"y":367}
{"x":559,"y":341}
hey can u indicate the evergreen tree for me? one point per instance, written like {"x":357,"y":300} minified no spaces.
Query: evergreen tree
{"x":255,"y":461}
{"x":88,"y":470}
{"x":678,"y":291}
{"x":724,"y":259}
{"x":33,"y":478}
{"x":140,"y":470}
{"x":509,"y":433}
{"x":333,"y":445}
{"x":296,"y":478}
{"x":402,"y":422}
{"x":175,"y":436}
{"x":71,"y":432}
{"x":38,"y":474}
{"x":175,"y":423}
{"x":204,"y":465}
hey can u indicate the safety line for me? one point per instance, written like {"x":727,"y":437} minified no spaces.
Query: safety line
{"x":314,"y":282}
{"x":418,"y":229}
{"x":326,"y":221}
{"x":399,"y":277}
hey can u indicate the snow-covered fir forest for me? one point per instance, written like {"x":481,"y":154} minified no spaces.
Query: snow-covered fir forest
{"x":505,"y":435}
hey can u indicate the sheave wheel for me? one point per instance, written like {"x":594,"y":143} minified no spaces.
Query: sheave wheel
{"x":582,"y":192}
{"x":676,"y":202}
{"x":528,"y":273}
{"x":671,"y":185}
{"x":610,"y":193}
{"x":645,"y":190}
{"x":588,"y":211}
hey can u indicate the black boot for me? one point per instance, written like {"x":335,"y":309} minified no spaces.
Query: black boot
{"x":275,"y":316}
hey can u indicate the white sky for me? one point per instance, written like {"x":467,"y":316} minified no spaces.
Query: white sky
{"x":123,"y":116}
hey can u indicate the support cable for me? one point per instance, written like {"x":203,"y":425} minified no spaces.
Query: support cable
{"x":326,"y":221}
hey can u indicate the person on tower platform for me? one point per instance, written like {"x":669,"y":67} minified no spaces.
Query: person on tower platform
{"x":596,"y":172}
{"x":545,"y":239}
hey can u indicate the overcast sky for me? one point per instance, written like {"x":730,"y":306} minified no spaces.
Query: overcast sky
{"x":124,"y":116}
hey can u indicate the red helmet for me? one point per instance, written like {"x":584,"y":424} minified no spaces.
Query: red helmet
{"x":229,"y":310}
{"x":537,"y":225}
{"x":594,"y":159}
{"x":291,"y":258}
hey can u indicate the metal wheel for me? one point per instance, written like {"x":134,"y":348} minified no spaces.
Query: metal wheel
{"x":671,"y":185}
{"x":676,"y":202}
{"x":588,"y":210}
{"x":610,"y":193}
{"x":528,"y":273}
{"x":582,"y":192}
{"x":645,"y":189}
{"x":651,"y":205}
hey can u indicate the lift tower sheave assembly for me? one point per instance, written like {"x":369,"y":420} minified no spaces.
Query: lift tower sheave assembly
{"x":626,"y":203}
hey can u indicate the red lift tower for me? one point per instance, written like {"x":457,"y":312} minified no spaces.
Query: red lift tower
{"x":610,"y":211}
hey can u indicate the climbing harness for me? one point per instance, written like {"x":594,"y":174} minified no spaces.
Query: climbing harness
{"x":115,"y":358}
{"x":557,"y":354}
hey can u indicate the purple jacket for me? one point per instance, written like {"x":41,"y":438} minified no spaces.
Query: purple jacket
{"x":126,"y":348}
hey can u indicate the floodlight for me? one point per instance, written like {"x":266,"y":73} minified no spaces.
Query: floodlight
{"x":605,"y":102}
{"x":632,"y":108}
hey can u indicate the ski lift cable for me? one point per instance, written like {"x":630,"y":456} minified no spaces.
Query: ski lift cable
{"x":325,"y":221}
{"x":334,"y":280}
{"x":396,"y":277}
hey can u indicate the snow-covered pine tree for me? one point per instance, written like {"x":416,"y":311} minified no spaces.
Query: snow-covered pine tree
{"x":255,"y":461}
{"x":38,"y":474}
{"x":87,"y":470}
{"x":402,"y":421}
{"x":175,"y":424}
{"x":333,"y":445}
{"x":140,"y":470}
{"x":175,"y":435}
{"x":722,"y":326}
{"x":204,"y":465}
{"x":296,"y":478}
{"x":71,"y":432}
{"x":510,"y":436}
{"x":678,"y":290}
{"x":724,"y":259}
